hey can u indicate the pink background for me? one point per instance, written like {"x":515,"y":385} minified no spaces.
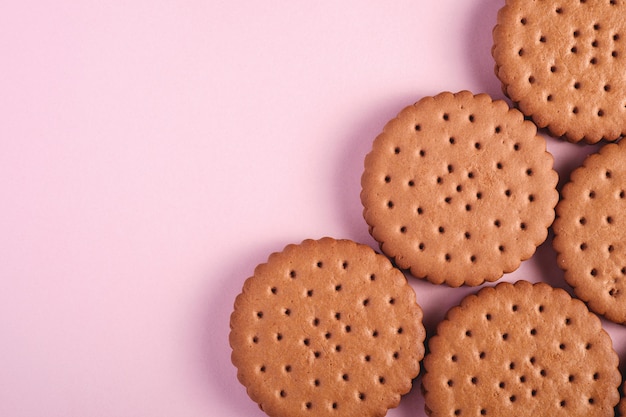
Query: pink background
{"x":152,"y":153}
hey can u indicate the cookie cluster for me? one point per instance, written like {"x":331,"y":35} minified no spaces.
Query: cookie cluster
{"x":459,"y":189}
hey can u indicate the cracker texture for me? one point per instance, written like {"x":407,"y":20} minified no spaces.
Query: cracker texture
{"x":326,"y":328}
{"x":459,"y":189}
{"x":521,"y":350}
{"x":564,"y":64}
{"x":590,"y":232}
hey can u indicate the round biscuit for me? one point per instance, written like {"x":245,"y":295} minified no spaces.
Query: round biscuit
{"x":590,"y":232}
{"x":459,"y":189}
{"x":326,"y":328}
{"x":564,"y":64}
{"x":521,"y":350}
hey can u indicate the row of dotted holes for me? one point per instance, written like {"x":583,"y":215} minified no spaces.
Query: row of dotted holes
{"x":574,"y":50}
{"x":309,"y":293}
{"x":361,"y":395}
{"x":334,"y":405}
{"x":397,"y":150}
{"x":467,"y":235}
{"x":446,"y":117}
{"x":483,"y":411}
{"x":577,"y":85}
{"x":507,"y":193}
{"x":497,"y":223}
{"x":608,"y":219}
{"x":533,"y":332}
{"x":470,"y":174}
{"x":452,"y":140}
{"x":472,"y":258}
{"x":515,"y":308}
{"x":610,"y":248}
{"x":320,"y":265}
{"x":576,"y":34}
{"x":559,"y":10}
{"x":459,"y":188}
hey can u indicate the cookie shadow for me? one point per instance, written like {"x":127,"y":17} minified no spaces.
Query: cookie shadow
{"x":478,"y":44}
{"x":567,"y":156}
{"x":412,"y":403}
{"x":212,"y":359}
{"x":549,"y":272}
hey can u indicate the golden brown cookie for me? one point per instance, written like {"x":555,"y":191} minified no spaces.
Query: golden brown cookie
{"x":521,"y":350}
{"x":459,"y":189}
{"x":327,"y":328}
{"x":590,"y":231}
{"x":564,"y":63}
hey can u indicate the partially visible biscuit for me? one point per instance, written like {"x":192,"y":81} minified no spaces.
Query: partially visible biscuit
{"x":459,"y":189}
{"x":327,"y":328}
{"x":590,"y":232}
{"x":521,"y":350}
{"x":564,"y":64}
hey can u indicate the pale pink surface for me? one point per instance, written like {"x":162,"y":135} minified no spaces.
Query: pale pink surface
{"x":153,"y":152}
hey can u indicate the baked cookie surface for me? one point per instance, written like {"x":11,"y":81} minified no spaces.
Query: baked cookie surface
{"x":459,"y":189}
{"x":521,"y":350}
{"x":564,"y":64}
{"x":326,"y":328}
{"x":590,"y":231}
